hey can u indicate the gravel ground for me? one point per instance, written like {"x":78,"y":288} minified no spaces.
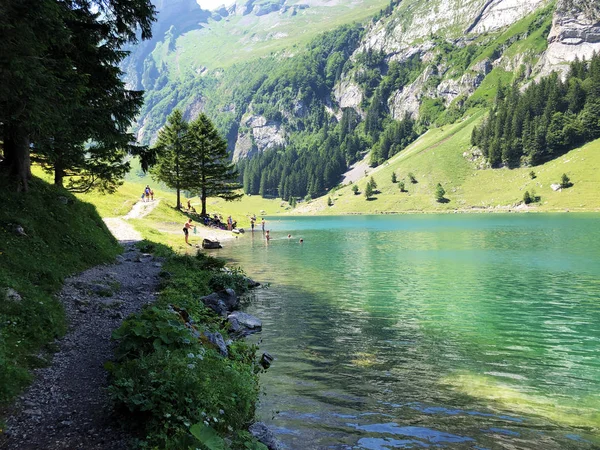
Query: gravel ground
{"x":67,"y":406}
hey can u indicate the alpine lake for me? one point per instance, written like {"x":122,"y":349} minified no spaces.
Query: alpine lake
{"x":464,"y":331}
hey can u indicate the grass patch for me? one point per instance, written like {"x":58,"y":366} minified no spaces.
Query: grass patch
{"x":63,"y":236}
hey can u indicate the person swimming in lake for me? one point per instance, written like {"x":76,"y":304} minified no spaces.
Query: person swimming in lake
{"x":186,"y":230}
{"x":252,"y":219}
{"x":289,"y":236}
{"x":267,"y":235}
{"x":301,"y":241}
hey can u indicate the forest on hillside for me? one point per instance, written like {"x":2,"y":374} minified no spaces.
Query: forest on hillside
{"x":547,"y":119}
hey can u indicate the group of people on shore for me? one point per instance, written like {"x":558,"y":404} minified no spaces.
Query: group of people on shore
{"x":148,"y":194}
{"x":231,"y":224}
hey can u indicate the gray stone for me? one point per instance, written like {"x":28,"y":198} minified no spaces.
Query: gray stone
{"x":12,"y":296}
{"x":251,"y":283}
{"x":245,"y":320}
{"x":214,"y":302}
{"x":266,"y":360}
{"x":230,"y":299}
{"x":64,"y":200}
{"x":265,"y":436}
{"x":217,"y":340}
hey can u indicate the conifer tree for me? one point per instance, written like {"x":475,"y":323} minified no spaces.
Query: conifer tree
{"x":174,"y":156}
{"x":214,"y":174}
{"x":61,"y":92}
{"x":368,"y":191}
{"x":439,"y":193}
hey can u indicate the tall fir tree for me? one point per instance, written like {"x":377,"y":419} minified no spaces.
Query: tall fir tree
{"x":215,"y":175}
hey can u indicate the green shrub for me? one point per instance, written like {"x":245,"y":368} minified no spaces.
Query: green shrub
{"x":412,"y":178}
{"x":565,"y":181}
{"x":355,"y":189}
{"x":394,"y":178}
{"x":527,"y":198}
{"x":402,"y":186}
{"x":167,"y":391}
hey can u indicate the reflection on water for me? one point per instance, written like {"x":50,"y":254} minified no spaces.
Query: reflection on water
{"x":430,"y":331}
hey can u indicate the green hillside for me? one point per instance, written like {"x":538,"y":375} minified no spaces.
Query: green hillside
{"x":438,"y":158}
{"x":60,"y":236}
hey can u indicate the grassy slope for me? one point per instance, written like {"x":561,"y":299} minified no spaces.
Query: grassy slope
{"x":61,"y":240}
{"x":437,"y":157}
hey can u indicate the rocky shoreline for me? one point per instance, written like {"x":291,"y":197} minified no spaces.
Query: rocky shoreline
{"x":68,"y":406}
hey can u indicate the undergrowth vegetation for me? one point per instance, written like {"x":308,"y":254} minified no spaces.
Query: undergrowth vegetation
{"x":45,"y":236}
{"x":169,"y":380}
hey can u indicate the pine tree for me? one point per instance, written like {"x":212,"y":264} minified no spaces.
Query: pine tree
{"x":368,"y":191}
{"x":61,"y":93}
{"x":402,"y":186}
{"x":439,"y":193}
{"x":174,"y":156}
{"x":373,"y":184}
{"x":355,"y":189}
{"x":213,"y":173}
{"x":394,"y":179}
{"x":329,"y":201}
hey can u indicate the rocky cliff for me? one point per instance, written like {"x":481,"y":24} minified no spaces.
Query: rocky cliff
{"x":575,"y":34}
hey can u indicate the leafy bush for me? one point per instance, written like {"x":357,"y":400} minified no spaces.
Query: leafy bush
{"x":527,"y":198}
{"x":412,"y":178}
{"x":167,"y":391}
{"x":402,"y":186}
{"x":168,"y":382}
{"x":355,"y":189}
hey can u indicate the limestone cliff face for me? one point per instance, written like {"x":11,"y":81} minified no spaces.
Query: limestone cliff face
{"x":263,"y":135}
{"x":410,"y":31}
{"x":415,"y":21}
{"x":575,"y":34}
{"x":348,"y":94}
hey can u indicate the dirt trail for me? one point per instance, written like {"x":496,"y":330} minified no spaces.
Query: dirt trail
{"x":67,"y":406}
{"x":122,"y":230}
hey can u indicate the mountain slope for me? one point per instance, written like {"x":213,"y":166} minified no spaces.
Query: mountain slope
{"x":303,"y":113}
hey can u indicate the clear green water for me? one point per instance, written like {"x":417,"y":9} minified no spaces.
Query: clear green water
{"x":462,"y":331}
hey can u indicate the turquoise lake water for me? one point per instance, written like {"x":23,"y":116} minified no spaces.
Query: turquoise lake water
{"x":429,"y":331}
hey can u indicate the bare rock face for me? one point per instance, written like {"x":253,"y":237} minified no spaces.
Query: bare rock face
{"x":501,"y":13}
{"x":575,"y":34}
{"x":408,"y":99}
{"x":264,"y":135}
{"x":348,"y":94}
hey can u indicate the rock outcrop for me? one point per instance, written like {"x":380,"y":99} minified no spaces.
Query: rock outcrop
{"x":575,"y":34}
{"x":348,"y":94}
{"x":265,"y":134}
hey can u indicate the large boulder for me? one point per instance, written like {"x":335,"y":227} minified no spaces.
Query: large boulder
{"x":214,"y":302}
{"x":216,"y":340}
{"x":242,"y":324}
{"x":230,"y":299}
{"x":265,"y":436}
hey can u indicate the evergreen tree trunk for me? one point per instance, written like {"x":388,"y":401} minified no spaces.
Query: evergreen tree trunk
{"x":203,"y":198}
{"x":16,"y":154}
{"x":59,"y":174}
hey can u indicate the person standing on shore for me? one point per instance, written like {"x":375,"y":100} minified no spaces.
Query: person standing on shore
{"x":263,"y":224}
{"x":229,"y":223}
{"x":252,"y":223}
{"x":186,"y":230}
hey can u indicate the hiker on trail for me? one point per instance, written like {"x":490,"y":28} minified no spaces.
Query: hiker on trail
{"x":151,"y":195}
{"x":144,"y":196}
{"x":186,"y":230}
{"x":252,"y":223}
{"x":263,"y":224}
{"x":147,"y":192}
{"x":189,"y":205}
{"x":229,"y":223}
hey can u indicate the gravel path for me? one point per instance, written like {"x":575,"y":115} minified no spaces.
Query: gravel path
{"x":67,"y":406}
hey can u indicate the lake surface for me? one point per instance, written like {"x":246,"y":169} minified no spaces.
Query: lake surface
{"x":429,"y":331}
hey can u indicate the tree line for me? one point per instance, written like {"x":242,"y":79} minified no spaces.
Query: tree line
{"x":547,"y":119}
